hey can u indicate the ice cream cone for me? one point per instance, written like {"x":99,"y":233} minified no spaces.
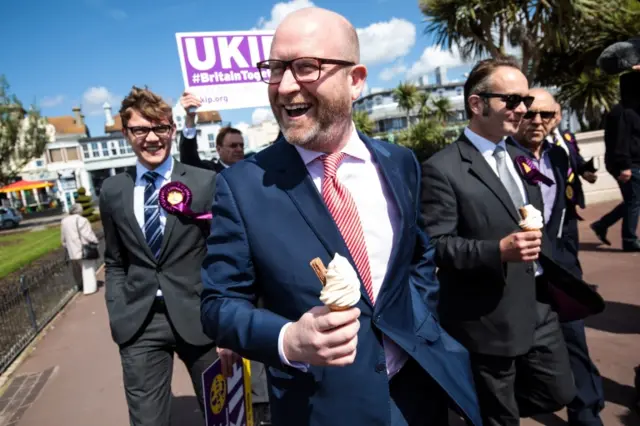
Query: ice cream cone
{"x":334,"y":308}
{"x":524,"y":212}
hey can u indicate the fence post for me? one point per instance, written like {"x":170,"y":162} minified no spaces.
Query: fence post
{"x":27,"y":297}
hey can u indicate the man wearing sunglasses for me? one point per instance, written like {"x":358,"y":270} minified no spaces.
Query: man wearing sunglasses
{"x":322,"y":191}
{"x":489,"y":268}
{"x":561,"y":226}
{"x":152,"y":263}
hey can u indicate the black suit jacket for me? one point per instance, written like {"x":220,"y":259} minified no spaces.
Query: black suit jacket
{"x":488,"y":305}
{"x":133,"y":275}
{"x":189,"y":155}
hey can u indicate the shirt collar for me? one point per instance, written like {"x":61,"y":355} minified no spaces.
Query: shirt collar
{"x":546,"y":146}
{"x":483,"y":145}
{"x":165,"y":169}
{"x":355,"y":148}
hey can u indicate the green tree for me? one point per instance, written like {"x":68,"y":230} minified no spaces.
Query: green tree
{"x":86,"y":202}
{"x":422,"y":101}
{"x":425,"y":138}
{"x":591,"y":95}
{"x":406,"y":94}
{"x":23,"y":134}
{"x":480,"y":28}
{"x":363,"y":122}
{"x":442,"y":109}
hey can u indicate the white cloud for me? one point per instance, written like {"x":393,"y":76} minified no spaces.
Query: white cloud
{"x":50,"y":102}
{"x":279,"y":11}
{"x":388,"y":74}
{"x":386,"y":41}
{"x":433,"y":57}
{"x":94,"y":98}
{"x":261,"y":114}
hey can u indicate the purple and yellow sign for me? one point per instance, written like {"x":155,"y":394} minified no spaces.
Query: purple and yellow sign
{"x":220,"y":67}
{"x":227,"y":402}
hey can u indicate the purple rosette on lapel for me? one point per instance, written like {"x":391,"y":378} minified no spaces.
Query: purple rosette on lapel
{"x":175,"y":198}
{"x":531,"y":172}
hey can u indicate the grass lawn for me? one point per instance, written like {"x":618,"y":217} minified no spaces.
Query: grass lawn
{"x":21,"y":248}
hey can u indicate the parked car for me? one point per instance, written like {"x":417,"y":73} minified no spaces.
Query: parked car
{"x":9,"y":217}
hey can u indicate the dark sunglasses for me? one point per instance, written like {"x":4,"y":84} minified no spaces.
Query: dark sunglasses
{"x":162,"y":130}
{"x":545,"y":115}
{"x":511,"y":101}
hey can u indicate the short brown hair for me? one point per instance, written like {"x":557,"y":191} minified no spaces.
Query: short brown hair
{"x":224,"y":132}
{"x":478,"y":80}
{"x":146,"y":103}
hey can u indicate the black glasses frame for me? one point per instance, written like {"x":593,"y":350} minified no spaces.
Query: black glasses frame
{"x":265,"y":65}
{"x":511,"y":101}
{"x":146,"y":130}
{"x":545,"y":115}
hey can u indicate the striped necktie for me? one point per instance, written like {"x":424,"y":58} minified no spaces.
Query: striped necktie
{"x":152,"y":225}
{"x":345,"y":213}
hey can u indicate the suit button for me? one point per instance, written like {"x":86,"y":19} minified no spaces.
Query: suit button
{"x":380,"y":368}
{"x":377,"y":318}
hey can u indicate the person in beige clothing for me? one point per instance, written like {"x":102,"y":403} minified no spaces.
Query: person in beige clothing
{"x":75,"y":231}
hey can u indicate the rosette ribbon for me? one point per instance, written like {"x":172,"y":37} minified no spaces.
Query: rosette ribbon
{"x":175,"y":198}
{"x":531,"y":172}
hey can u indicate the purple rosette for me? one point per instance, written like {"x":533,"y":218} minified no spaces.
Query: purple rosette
{"x":531,"y":172}
{"x":175,"y":198}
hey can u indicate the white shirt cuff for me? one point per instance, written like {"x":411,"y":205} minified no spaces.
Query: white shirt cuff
{"x":299,"y":365}
{"x":189,"y":132}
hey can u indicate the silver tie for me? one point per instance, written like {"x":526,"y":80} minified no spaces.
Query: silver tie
{"x":507,"y":178}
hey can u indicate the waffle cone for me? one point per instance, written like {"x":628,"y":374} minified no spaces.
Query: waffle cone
{"x":334,"y":308}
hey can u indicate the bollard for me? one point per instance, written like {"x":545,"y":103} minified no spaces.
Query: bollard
{"x":27,"y":297}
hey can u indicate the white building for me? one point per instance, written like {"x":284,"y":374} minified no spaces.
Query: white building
{"x":383,"y":108}
{"x":61,"y":162}
{"x":259,"y":135}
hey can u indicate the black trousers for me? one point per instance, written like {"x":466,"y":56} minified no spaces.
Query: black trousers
{"x":537,"y":382}
{"x":147,"y":366}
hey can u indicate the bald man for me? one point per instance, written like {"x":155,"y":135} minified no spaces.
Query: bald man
{"x":326,"y":190}
{"x":561,"y":226}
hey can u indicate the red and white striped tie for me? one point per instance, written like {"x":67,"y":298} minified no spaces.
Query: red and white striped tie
{"x":345,"y":213}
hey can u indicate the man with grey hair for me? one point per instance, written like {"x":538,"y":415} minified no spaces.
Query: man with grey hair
{"x":334,"y":196}
{"x":75,"y":231}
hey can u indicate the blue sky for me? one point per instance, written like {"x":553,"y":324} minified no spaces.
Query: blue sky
{"x":84,"y":52}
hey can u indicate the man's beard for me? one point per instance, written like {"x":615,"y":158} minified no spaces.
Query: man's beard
{"x":332,"y":118}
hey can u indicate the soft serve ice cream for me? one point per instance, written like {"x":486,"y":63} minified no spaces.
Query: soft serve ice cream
{"x":532,"y":219}
{"x":341,"y":288}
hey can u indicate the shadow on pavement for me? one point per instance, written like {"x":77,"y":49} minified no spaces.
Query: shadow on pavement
{"x":599,"y":247}
{"x":185,"y":411}
{"x":620,"y":318}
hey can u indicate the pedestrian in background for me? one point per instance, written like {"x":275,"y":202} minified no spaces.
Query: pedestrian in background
{"x":76,"y":232}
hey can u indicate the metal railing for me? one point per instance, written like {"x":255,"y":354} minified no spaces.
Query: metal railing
{"x":29,"y":301}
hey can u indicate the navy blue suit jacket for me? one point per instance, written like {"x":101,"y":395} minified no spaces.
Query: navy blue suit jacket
{"x":269,"y":223}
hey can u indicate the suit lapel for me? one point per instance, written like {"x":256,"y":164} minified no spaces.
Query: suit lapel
{"x":128,"y":203}
{"x":481,"y":169}
{"x":178,"y":174}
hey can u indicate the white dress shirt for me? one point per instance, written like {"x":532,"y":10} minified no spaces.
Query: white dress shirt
{"x":379,"y":217}
{"x":164,"y":170}
{"x":487,"y":148}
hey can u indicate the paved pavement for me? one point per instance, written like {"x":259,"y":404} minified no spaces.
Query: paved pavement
{"x":73,"y":375}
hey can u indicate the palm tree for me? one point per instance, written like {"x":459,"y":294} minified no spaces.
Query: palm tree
{"x":442,"y":109}
{"x":363,"y":122}
{"x":425,"y":138}
{"x":481,"y":28}
{"x":422,"y":101}
{"x":406,"y":94}
{"x":591,"y":95}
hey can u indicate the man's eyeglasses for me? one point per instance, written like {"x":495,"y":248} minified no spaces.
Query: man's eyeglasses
{"x":545,"y":115}
{"x":511,"y":101}
{"x":161,"y":131}
{"x":305,"y":70}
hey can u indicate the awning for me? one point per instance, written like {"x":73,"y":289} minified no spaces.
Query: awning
{"x":25,"y":185}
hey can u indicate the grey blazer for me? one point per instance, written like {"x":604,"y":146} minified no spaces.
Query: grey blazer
{"x":133,"y":275}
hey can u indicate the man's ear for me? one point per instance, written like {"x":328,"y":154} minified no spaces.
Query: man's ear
{"x":357,"y":80}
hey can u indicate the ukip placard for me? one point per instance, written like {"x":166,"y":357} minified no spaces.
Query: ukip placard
{"x":227,"y":401}
{"x":220,"y":67}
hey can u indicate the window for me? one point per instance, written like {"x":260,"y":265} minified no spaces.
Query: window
{"x":105,"y":149}
{"x":210,"y":137}
{"x":122,"y":145}
{"x":95,"y":149}
{"x":55,"y":155}
{"x":85,"y":151}
{"x":39,"y":163}
{"x":72,"y":154}
{"x":212,"y":144}
{"x":113,"y":146}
